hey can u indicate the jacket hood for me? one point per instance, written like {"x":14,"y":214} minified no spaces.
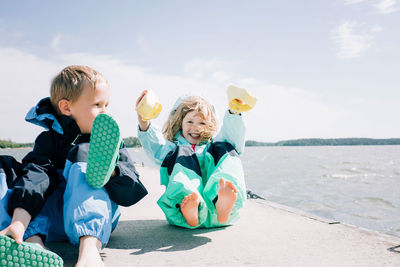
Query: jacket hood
{"x":44,"y":115}
{"x":185,"y":96}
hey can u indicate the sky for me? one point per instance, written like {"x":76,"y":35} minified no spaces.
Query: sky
{"x":320,"y":69}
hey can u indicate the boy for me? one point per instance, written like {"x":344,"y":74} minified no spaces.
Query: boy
{"x":53,"y":174}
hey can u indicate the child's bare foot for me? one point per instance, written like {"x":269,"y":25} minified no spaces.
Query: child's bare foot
{"x":227,"y":195}
{"x":190,"y":209}
{"x":89,"y":252}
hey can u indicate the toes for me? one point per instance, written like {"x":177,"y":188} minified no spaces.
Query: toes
{"x":185,"y":200}
{"x":189,"y":208}
{"x":231,"y":186}
{"x":227,"y":184}
{"x":188,"y":198}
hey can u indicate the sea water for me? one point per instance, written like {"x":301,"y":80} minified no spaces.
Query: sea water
{"x":358,"y":185}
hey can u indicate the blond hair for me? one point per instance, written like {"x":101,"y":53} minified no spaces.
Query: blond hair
{"x":193,"y":103}
{"x":69,"y":83}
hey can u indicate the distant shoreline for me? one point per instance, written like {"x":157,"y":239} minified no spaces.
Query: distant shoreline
{"x":330,"y":142}
{"x":134,"y":142}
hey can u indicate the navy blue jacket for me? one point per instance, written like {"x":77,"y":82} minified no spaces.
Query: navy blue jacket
{"x":41,"y":170}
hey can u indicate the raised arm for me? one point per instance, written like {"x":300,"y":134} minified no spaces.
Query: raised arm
{"x":151,"y":138}
{"x":233,"y":131}
{"x":154,"y":143}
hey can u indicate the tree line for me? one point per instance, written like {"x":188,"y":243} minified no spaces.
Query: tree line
{"x":11,"y":144}
{"x":329,"y":142}
{"x":129,"y":142}
{"x":134,"y":142}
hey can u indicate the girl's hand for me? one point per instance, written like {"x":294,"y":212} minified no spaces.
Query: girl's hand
{"x":233,"y":111}
{"x":140,"y":97}
{"x":144,"y":125}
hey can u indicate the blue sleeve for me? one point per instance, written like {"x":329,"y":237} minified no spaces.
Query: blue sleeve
{"x":233,"y":131}
{"x":154,"y":143}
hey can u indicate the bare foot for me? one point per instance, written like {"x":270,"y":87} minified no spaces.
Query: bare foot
{"x":227,"y":195}
{"x":190,"y":209}
{"x":89,"y":252}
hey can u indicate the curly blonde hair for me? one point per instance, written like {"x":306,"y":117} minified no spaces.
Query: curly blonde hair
{"x":193,"y":103}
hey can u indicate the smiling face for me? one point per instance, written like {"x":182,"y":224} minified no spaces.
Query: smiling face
{"x":192,"y":126}
{"x":194,"y":118}
{"x":90,"y":103}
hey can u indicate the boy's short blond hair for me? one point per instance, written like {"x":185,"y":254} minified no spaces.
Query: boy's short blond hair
{"x":69,"y":83}
{"x":193,"y":103}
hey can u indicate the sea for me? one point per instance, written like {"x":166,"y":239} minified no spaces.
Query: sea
{"x":357,"y":185}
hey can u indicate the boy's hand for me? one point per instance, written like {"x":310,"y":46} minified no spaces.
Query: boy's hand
{"x":19,"y":223}
{"x":144,"y":125}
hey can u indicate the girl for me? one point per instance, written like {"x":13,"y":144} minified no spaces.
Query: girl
{"x":203,"y":175}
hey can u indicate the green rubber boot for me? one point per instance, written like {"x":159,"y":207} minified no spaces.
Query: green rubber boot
{"x":105,"y":142}
{"x":26,"y":254}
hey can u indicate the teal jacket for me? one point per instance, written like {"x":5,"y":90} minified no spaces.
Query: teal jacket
{"x":157,"y":147}
{"x":186,"y":168}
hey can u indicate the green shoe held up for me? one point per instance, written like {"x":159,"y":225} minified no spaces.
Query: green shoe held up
{"x":105,"y":142}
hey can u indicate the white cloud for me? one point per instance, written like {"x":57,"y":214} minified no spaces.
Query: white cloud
{"x":382,"y":6}
{"x":376,"y":28}
{"x":352,"y":2}
{"x":24,"y":79}
{"x":386,"y":6}
{"x":208,"y":69}
{"x":352,"y":39}
{"x":281,"y":112}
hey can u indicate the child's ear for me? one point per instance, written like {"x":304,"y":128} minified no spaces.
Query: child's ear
{"x":64,"y":107}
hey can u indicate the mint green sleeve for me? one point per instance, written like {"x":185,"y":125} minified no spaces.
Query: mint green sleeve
{"x":154,"y":143}
{"x":233,"y":131}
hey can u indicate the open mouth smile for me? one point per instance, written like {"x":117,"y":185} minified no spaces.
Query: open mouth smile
{"x":194,"y":136}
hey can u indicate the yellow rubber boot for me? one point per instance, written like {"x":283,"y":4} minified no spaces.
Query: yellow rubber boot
{"x":149,"y":107}
{"x":239,"y":99}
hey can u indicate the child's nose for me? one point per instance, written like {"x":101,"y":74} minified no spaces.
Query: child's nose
{"x":103,"y":110}
{"x":197,"y":127}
